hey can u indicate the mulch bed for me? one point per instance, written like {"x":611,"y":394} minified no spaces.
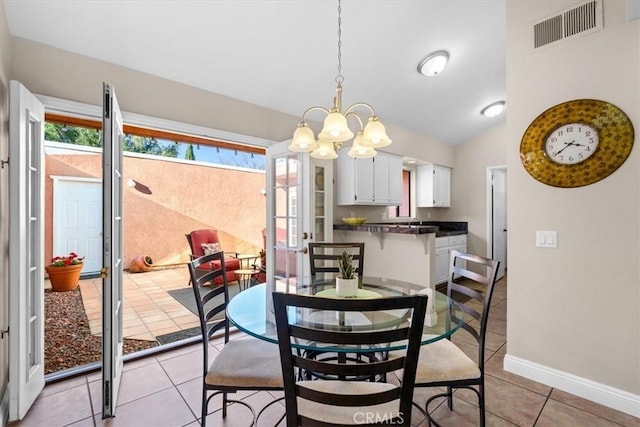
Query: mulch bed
{"x":68,"y":342}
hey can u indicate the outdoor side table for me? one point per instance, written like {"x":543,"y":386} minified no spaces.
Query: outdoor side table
{"x":244,"y":277}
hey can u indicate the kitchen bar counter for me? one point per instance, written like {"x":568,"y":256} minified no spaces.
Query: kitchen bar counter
{"x":440,"y":228}
{"x":388,"y":228}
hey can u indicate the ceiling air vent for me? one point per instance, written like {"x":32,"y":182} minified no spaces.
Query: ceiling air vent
{"x":569,"y":23}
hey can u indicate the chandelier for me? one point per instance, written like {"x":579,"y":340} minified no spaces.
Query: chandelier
{"x":335,"y":131}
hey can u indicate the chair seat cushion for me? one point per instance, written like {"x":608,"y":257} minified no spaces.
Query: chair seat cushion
{"x":230,"y":264}
{"x":246,"y":363}
{"x":444,"y":361}
{"x":347,"y":414}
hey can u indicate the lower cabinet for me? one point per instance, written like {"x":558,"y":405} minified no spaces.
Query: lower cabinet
{"x":444,"y":245}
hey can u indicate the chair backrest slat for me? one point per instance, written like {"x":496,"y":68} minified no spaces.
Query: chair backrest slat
{"x":473,"y":276}
{"x":292,"y":359}
{"x":211,"y":299}
{"x":323,"y":257}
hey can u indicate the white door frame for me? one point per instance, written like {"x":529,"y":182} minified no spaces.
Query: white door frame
{"x":490,"y":208}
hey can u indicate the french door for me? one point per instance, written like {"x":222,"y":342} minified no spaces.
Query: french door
{"x":288,"y":206}
{"x":112,"y":270}
{"x":26,"y":250}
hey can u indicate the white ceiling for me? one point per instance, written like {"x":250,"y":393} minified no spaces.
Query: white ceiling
{"x":283,"y":54}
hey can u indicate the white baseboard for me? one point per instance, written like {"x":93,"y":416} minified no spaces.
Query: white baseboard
{"x":603,"y":394}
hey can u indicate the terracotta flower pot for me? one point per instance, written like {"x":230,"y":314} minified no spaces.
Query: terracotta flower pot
{"x":64,"y":278}
{"x":140,"y":264}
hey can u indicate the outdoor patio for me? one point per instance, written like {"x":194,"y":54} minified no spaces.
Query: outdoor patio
{"x":149,"y":310}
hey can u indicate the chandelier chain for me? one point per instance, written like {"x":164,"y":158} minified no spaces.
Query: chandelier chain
{"x":339,"y":76}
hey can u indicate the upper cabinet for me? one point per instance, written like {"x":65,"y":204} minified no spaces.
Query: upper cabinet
{"x":433,"y":186}
{"x":373,"y":181}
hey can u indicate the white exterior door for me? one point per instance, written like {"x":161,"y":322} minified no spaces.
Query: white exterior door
{"x":77,"y":220}
{"x":112,"y":339}
{"x":26,"y":250}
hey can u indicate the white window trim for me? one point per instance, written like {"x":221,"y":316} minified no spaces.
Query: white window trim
{"x":79,"y":109}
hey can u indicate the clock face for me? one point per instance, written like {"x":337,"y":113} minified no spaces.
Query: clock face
{"x":571,"y":143}
{"x":576,"y":143}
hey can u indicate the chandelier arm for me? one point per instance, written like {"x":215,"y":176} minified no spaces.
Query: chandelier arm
{"x":310,"y":109}
{"x":353,"y":114}
{"x":359,"y":104}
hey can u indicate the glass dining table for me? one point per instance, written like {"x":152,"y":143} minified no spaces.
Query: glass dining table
{"x":251,"y":311}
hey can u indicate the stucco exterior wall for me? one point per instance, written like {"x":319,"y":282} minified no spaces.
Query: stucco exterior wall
{"x":181,"y":197}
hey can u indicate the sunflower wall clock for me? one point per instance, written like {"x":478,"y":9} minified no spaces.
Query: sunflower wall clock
{"x":576,"y":143}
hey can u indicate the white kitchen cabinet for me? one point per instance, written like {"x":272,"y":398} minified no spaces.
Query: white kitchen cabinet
{"x":433,"y":186}
{"x":444,"y":245}
{"x":373,"y":181}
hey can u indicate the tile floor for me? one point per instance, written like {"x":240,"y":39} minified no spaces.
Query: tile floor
{"x":164,"y":390}
{"x":149,"y":311}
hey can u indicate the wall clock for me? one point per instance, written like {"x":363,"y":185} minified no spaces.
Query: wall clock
{"x":576,"y":143}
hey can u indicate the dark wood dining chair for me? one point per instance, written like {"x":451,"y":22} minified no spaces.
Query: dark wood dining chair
{"x":442,"y":363}
{"x":323,"y":257}
{"x":241,"y":364}
{"x":340,"y":401}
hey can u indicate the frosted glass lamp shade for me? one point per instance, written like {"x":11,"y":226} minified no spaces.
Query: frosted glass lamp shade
{"x":325,"y":150}
{"x":375,"y":135}
{"x":358,"y":150}
{"x":303,"y":139}
{"x":335,"y":128}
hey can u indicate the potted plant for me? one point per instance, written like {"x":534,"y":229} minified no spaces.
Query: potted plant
{"x":64,"y":272}
{"x":347,"y":281}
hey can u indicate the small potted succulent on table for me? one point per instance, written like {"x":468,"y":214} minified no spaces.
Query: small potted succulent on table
{"x":347,"y":281}
{"x":64,"y":272}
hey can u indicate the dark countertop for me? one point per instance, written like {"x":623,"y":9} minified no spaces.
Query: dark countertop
{"x":441,"y":228}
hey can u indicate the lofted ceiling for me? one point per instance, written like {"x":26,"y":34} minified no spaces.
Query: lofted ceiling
{"x":282,"y":54}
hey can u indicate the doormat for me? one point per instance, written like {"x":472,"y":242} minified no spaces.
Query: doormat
{"x":178,"y":335}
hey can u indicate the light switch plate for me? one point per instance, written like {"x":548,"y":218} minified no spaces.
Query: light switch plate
{"x":547,"y":239}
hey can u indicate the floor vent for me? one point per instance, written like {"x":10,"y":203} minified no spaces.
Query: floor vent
{"x":569,"y":23}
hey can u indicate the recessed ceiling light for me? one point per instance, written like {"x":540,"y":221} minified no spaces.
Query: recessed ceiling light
{"x":494,"y":109}
{"x":433,"y":64}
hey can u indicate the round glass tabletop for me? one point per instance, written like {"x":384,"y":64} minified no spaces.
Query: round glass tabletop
{"x":251,"y":311}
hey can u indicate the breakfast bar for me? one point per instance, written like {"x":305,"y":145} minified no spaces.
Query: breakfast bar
{"x":402,"y":251}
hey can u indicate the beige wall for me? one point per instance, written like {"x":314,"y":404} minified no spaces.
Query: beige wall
{"x":5,"y":61}
{"x":469,"y":183}
{"x":49,"y":71}
{"x":574,"y":309}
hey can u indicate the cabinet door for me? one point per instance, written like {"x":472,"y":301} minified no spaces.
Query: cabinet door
{"x":364,"y":171}
{"x":433,"y":186}
{"x":441,"y":186}
{"x":395,"y":180}
{"x":381,"y":179}
{"x":346,"y":180}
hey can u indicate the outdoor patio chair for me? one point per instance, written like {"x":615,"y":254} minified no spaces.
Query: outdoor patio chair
{"x":242,"y":364}
{"x":199,"y":240}
{"x":338,"y":400}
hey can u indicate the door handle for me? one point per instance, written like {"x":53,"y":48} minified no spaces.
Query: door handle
{"x":304,"y":250}
{"x":305,"y":235}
